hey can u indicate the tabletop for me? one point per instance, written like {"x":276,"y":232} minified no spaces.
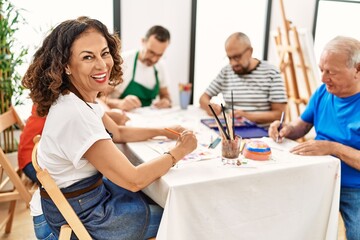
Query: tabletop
{"x":287,"y":197}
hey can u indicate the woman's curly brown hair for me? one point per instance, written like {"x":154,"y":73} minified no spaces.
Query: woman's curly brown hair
{"x":46,"y":77}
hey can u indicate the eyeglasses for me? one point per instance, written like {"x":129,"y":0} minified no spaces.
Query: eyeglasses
{"x":238,"y":57}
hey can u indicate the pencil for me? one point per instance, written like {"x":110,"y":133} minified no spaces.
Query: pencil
{"x":280,"y":126}
{"x":173,"y":131}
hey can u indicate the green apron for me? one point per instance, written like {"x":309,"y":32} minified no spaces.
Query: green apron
{"x":145,"y":94}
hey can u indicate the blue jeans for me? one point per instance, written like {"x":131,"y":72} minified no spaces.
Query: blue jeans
{"x":44,"y":232}
{"x":108,"y":212}
{"x":156,"y":213}
{"x":42,"y":228}
{"x":350,"y":212}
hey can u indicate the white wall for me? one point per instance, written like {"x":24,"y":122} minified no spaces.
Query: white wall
{"x":40,"y":22}
{"x":216,"y":20}
{"x":336,"y":18}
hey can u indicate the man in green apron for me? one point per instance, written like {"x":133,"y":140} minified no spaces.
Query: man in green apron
{"x":144,"y":77}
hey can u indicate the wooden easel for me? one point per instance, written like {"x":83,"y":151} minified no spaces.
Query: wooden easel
{"x":289,"y":47}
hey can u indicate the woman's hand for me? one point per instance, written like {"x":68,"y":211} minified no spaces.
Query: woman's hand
{"x":186,"y":143}
{"x":175,"y":128}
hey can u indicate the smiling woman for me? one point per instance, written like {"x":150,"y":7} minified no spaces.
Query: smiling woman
{"x":90,"y":65}
{"x":76,"y":68}
{"x":77,"y":60}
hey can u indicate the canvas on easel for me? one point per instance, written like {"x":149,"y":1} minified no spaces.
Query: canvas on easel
{"x":297,"y":64}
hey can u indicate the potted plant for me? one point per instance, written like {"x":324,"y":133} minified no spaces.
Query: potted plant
{"x":10,"y":58}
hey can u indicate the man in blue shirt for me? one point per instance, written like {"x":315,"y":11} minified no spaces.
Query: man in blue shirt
{"x":334,"y":112}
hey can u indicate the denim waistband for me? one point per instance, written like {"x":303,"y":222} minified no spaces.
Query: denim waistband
{"x":90,"y":182}
{"x":75,"y":193}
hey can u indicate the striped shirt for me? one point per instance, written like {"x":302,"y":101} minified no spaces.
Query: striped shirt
{"x":254,"y":91}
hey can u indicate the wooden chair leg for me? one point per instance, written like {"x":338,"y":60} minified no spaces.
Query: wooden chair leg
{"x":11,"y":216}
{"x":65,"y":232}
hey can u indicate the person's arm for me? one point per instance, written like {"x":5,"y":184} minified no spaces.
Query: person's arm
{"x":113,"y":164}
{"x":293,"y":130}
{"x":349,"y":155}
{"x":300,"y":128}
{"x":128,"y":103}
{"x":123,"y":134}
{"x":111,"y":102}
{"x":263,"y":116}
{"x":165,"y":100}
{"x":118,"y":116}
{"x":204,"y":104}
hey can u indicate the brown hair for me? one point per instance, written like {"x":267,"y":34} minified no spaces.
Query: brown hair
{"x":46,"y":77}
{"x":160,"y":33}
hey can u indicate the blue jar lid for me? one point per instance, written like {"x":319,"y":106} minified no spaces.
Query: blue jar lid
{"x":257,"y":146}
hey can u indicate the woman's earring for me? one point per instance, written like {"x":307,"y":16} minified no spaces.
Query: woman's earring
{"x":68,"y":73}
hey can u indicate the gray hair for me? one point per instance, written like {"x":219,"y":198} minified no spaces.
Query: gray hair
{"x":345,"y":45}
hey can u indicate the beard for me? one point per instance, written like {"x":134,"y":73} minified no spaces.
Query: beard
{"x":239,"y":69}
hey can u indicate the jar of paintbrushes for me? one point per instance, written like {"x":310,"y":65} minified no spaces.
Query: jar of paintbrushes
{"x":231,"y":143}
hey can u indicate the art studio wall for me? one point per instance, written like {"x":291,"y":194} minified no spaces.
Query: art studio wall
{"x":198,"y":28}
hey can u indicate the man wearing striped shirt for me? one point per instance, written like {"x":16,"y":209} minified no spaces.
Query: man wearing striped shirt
{"x":258,"y":89}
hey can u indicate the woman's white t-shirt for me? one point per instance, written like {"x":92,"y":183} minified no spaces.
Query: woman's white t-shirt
{"x":71,"y":128}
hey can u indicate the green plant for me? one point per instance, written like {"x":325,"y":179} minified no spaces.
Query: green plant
{"x":12,"y":55}
{"x":10,"y":80}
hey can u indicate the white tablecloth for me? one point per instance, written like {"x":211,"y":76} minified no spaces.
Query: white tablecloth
{"x":290,"y":197}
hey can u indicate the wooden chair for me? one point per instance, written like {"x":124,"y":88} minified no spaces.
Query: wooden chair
{"x":23,"y":187}
{"x":74,"y":223}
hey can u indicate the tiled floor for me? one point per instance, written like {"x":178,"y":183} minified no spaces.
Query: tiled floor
{"x":23,"y":229}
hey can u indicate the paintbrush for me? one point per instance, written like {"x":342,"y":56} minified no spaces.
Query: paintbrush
{"x":225,"y":119}
{"x":221,"y":129}
{"x":232,"y":112}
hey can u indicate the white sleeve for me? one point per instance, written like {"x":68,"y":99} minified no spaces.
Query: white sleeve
{"x":71,"y":128}
{"x":162,"y":74}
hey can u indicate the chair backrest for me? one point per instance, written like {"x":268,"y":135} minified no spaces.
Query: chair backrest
{"x":9,"y":174}
{"x":58,"y":198}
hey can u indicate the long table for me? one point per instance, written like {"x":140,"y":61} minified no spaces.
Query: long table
{"x":289,"y":197}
